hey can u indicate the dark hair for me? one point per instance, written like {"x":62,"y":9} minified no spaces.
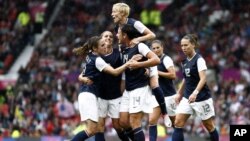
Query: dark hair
{"x":105,"y":32}
{"x":193,"y":39}
{"x":130,"y":31}
{"x":88,"y":46}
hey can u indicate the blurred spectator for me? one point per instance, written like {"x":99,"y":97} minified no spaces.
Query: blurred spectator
{"x":15,"y":31}
{"x":65,"y":108}
{"x":37,"y":11}
{"x":151,"y":16}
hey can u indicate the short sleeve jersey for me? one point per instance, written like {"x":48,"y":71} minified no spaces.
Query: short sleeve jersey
{"x":93,"y":68}
{"x":166,"y":84}
{"x":110,"y":85}
{"x":135,"y":78}
{"x":138,"y":26}
{"x":190,"y":72}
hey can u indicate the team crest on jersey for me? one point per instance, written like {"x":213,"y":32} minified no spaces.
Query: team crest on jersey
{"x":88,"y":59}
{"x":125,"y":58}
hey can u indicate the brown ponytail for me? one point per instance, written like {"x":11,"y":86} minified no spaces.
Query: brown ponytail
{"x":88,"y":46}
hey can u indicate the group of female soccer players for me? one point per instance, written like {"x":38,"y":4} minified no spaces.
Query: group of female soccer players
{"x":126,"y":82}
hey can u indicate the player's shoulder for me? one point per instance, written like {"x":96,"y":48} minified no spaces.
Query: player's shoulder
{"x":166,"y":57}
{"x":199,"y":57}
{"x":134,"y":22}
{"x":131,"y":21}
{"x":143,"y":45}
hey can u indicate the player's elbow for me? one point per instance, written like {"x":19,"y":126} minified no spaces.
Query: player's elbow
{"x":153,"y":36}
{"x":157,"y":60}
{"x":173,"y":76}
{"x":204,"y":80}
{"x":116,"y":74}
{"x":80,"y":78}
{"x":112,"y":72}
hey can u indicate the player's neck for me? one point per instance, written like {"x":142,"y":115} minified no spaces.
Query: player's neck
{"x":129,"y":45}
{"x":191,"y":56}
{"x":124,"y":21}
{"x":162,"y":55}
{"x":109,"y":50}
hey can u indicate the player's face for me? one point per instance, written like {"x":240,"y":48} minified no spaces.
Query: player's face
{"x":187,"y":47}
{"x":102,"y":48}
{"x":119,"y":35}
{"x":108,"y":38}
{"x":157,"y":49}
{"x":116,"y":15}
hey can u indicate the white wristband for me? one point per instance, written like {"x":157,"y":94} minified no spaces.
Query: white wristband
{"x":195,"y":92}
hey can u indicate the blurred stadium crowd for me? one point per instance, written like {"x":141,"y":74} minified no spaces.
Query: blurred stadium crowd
{"x":44,"y":99}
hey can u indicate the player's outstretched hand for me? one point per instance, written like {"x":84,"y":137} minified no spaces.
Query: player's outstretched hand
{"x":132,"y":64}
